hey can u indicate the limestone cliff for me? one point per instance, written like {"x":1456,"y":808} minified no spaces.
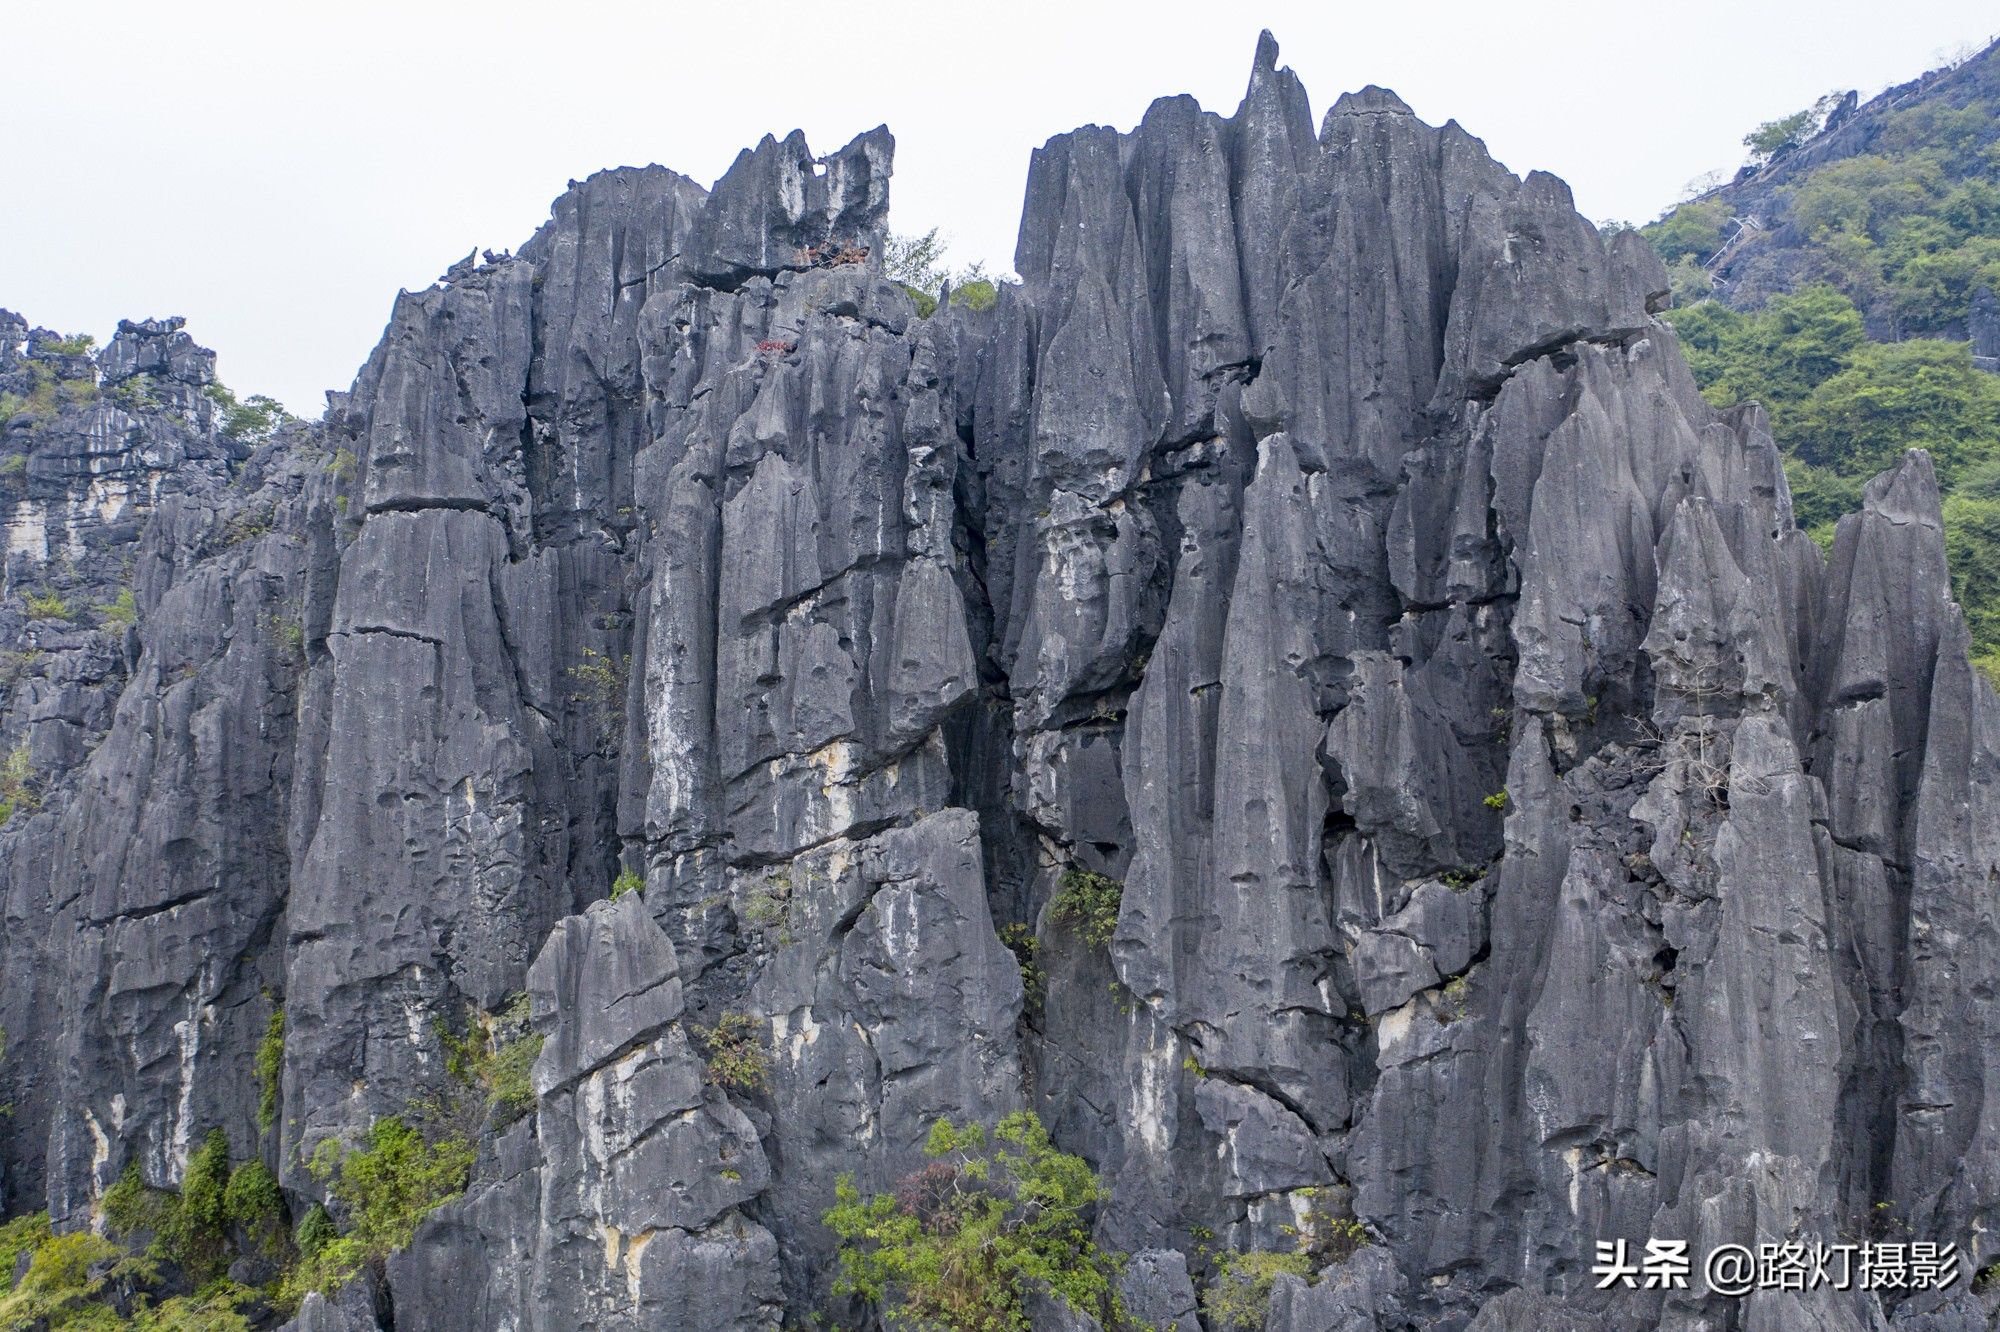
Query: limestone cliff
{"x":1527,"y":836}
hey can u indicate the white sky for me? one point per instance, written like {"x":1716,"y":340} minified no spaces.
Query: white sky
{"x":274,"y":171}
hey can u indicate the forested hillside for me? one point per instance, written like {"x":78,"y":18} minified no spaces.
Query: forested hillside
{"x":1846,"y":280}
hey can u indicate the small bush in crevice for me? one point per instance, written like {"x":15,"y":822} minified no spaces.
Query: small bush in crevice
{"x":254,"y":1203}
{"x":17,"y":774}
{"x":270,"y":1067}
{"x":1088,"y":902}
{"x":734,"y":1053}
{"x":122,"y":612}
{"x":1241,"y":1292}
{"x":1026,"y":948}
{"x":494,"y":1059}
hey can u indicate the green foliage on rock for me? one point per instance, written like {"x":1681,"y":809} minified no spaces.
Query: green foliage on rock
{"x":216,"y":1307}
{"x":255,"y":1204}
{"x":916,"y":264}
{"x":1895,"y":396}
{"x":734,"y":1053}
{"x":1027,"y":949}
{"x":1241,"y":1292}
{"x":316,"y":1231}
{"x":193,"y":1229}
{"x":494,"y":1059}
{"x":1692,"y":231}
{"x":252,"y":420}
{"x":61,"y":1289}
{"x":1088,"y":903}
{"x":270,"y":1067}
{"x":386,"y":1188}
{"x":23,"y":1234}
{"x":17,"y":777}
{"x":153,"y":1239}
{"x":1843,"y":409}
{"x":976,"y":293}
{"x":962,"y":1242}
{"x":1908,"y":230}
{"x":122,"y":612}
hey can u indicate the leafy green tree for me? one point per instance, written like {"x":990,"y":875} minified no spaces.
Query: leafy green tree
{"x":1897,"y":396}
{"x":916,"y":261}
{"x":1863,"y":195}
{"x":917,"y":264}
{"x":253,"y":420}
{"x":1241,"y":1293}
{"x":1691,"y":231}
{"x":961,"y":1243}
{"x":1972,"y":548}
{"x":1773,"y":136}
{"x":1820,"y":497}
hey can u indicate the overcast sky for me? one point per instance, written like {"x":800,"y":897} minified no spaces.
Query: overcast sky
{"x":276,"y":171}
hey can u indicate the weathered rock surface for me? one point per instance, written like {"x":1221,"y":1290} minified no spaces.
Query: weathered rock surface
{"x":1527,"y":836}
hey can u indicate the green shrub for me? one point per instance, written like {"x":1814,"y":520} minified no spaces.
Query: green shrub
{"x":1692,"y":231}
{"x":254,"y":1203}
{"x":17,"y":775}
{"x":58,"y":1288}
{"x":628,"y":881}
{"x":316,"y":1231}
{"x":23,"y":1234}
{"x":122,"y":611}
{"x":494,"y":1059}
{"x":1498,"y":800}
{"x":1088,"y":902}
{"x":194,"y":1233}
{"x":1241,"y":1293}
{"x":215,"y":1308}
{"x":387,"y":1188}
{"x":47,"y":606}
{"x":1892,"y":397}
{"x":1786,"y":132}
{"x":734,"y":1051}
{"x":133,"y":1207}
{"x":270,"y":1067}
{"x":343,"y":464}
{"x":916,"y":262}
{"x":961,"y":1242}
{"x":1026,"y":948}
{"x":135,"y":393}
{"x":977,"y":293}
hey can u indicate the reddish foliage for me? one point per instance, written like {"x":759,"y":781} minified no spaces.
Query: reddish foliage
{"x":772,"y":347}
{"x":929,"y":1194}
{"x":832,"y":256}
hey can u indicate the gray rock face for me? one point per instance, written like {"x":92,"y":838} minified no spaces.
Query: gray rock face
{"x":1526,"y":836}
